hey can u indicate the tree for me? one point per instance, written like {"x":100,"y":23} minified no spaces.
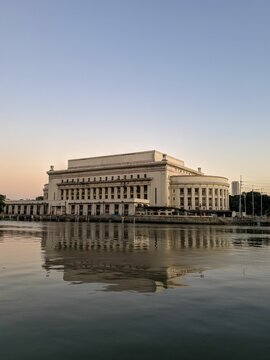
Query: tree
{"x":2,"y":203}
{"x":247,"y":203}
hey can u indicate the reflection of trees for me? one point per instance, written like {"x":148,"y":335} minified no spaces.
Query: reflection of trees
{"x":252,"y":242}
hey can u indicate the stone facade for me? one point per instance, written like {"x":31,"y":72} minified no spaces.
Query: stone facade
{"x":117,"y":184}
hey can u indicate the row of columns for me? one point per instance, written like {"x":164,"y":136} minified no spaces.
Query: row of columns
{"x":26,"y":209}
{"x":93,"y":209}
{"x":222,"y":198}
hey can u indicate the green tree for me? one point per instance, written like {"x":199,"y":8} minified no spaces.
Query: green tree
{"x":2,"y":203}
{"x":247,"y":200}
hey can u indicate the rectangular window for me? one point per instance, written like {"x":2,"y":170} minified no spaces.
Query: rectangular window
{"x":89,"y":209}
{"x":81,"y":210}
{"x":145,"y":192}
{"x":126,"y":209}
{"x":138,"y":192}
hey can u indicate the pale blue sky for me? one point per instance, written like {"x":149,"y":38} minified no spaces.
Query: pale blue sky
{"x":86,"y":78}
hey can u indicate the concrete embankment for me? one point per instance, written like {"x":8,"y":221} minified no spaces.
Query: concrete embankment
{"x":129,"y":219}
{"x":152,"y":219}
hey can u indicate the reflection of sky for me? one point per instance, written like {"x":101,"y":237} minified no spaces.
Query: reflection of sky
{"x":188,"y":78}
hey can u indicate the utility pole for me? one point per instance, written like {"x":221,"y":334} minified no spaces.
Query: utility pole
{"x":261,"y":204}
{"x":252,"y":202}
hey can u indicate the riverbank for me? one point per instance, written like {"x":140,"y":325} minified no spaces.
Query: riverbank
{"x":156,"y":219}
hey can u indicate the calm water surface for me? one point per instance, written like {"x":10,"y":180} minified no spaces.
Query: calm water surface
{"x":114,"y":291}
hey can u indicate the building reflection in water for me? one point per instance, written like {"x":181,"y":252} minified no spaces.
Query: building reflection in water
{"x":141,"y":258}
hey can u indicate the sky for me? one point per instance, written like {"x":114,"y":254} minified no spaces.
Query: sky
{"x":84,"y":78}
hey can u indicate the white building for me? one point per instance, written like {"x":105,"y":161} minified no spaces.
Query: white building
{"x":235,"y":188}
{"x":117,"y":184}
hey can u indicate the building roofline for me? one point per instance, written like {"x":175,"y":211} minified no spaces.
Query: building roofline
{"x":118,"y":154}
{"x":200,"y":175}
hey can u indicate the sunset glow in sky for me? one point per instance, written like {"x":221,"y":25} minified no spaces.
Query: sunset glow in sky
{"x":94,"y":77}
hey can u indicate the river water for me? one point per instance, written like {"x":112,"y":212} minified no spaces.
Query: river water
{"x":118,"y":291}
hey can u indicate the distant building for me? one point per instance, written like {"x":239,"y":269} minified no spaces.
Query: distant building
{"x":118,"y":184}
{"x":235,"y":188}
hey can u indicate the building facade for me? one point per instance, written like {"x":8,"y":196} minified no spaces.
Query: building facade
{"x":118,"y":184}
{"x":235,"y":188}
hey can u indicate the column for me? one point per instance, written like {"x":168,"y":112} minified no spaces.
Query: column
{"x":200,"y":197}
{"x":185,"y":198}
{"x":192,"y":198}
{"x":227,"y":199}
{"x":122,"y":192}
{"x":207,"y":198}
{"x":222,"y":207}
{"x":135,"y":191}
{"x":218,"y":198}
{"x":177,"y":198}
